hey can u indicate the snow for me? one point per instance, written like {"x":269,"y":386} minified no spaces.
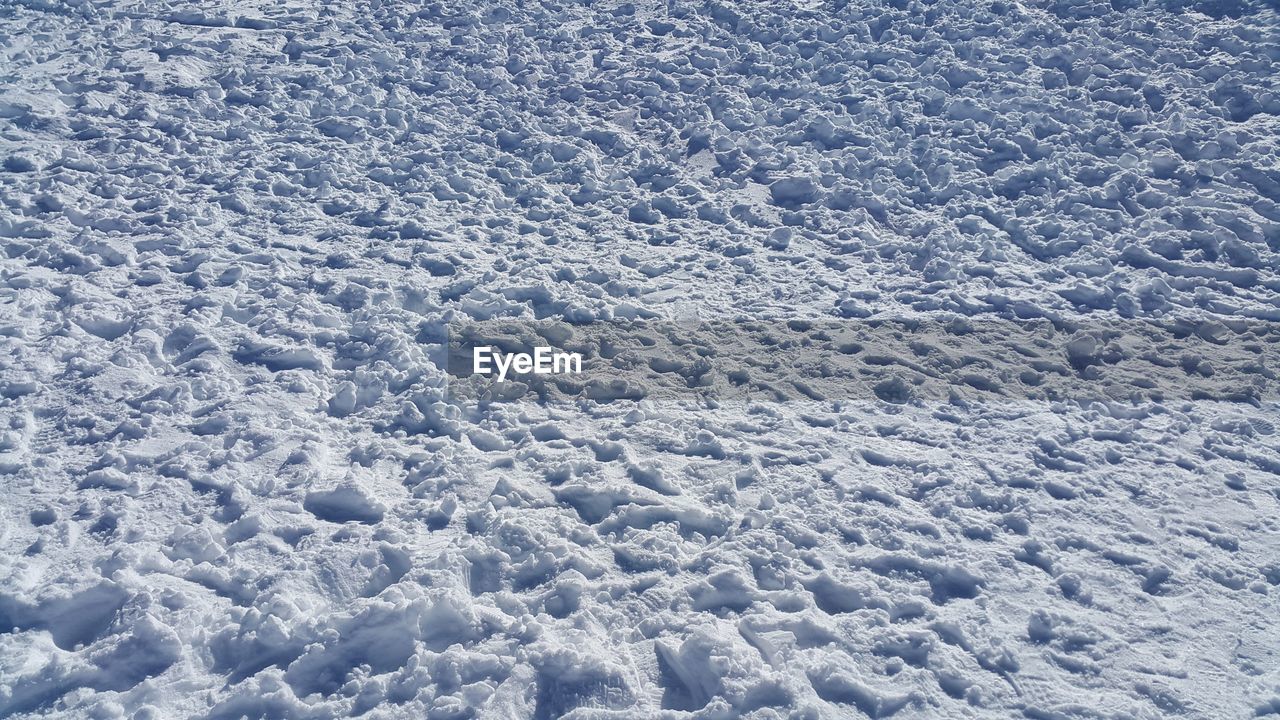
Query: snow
{"x":930,"y":359}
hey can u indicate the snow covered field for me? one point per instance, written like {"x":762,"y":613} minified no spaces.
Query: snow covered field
{"x":239,"y":480}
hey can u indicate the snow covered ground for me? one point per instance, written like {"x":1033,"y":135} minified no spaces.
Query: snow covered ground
{"x":239,"y":481}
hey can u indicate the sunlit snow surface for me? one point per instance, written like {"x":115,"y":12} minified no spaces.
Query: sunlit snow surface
{"x":238,"y":482}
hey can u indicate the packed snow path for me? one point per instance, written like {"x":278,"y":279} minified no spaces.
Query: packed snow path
{"x":235,"y":483}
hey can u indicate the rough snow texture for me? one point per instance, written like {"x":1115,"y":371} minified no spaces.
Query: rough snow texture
{"x":234,"y":484}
